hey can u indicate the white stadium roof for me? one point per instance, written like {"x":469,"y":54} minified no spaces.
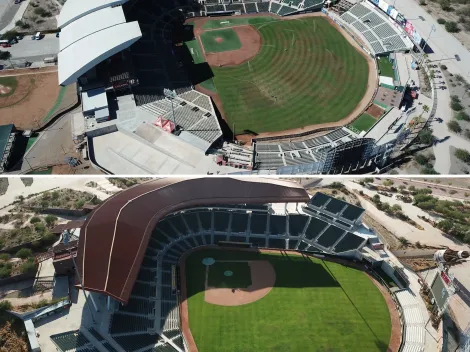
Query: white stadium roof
{"x":89,"y":51}
{"x":92,"y":31}
{"x":88,"y":25}
{"x":74,"y":9}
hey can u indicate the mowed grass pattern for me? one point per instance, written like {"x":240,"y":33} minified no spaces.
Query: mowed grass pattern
{"x":314,"y":306}
{"x":306,"y":73}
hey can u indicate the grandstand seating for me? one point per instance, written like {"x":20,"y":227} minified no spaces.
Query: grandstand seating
{"x":376,"y":29}
{"x":70,"y":340}
{"x":315,"y":227}
{"x":349,"y":242}
{"x":414,"y":323}
{"x":271,"y":156}
{"x":297,"y":224}
{"x":330,"y":236}
{"x":274,"y":7}
{"x":152,"y":310}
{"x":251,"y":8}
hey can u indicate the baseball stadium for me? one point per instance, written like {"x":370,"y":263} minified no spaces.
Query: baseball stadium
{"x":211,"y":264}
{"x":206,"y":74}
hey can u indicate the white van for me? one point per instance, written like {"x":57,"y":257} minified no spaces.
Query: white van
{"x":37,"y":36}
{"x":50,"y":59}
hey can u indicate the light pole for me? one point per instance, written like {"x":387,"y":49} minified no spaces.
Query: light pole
{"x":433,"y":29}
{"x":442,"y":58}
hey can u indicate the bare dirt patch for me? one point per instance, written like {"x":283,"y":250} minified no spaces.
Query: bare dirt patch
{"x":34,"y":96}
{"x":263,"y":278}
{"x":250,"y":40}
{"x":375,"y":111}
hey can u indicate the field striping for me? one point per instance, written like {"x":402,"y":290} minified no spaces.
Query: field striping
{"x":231,"y":21}
{"x":228,"y":40}
{"x":315,"y":79}
{"x":315,"y":305}
{"x":364,"y":122}
{"x":195,"y":50}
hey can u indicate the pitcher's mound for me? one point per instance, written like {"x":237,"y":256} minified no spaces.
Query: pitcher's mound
{"x":219,"y":39}
{"x":263,"y":278}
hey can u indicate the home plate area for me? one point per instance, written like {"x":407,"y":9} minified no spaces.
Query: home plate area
{"x":234,"y":283}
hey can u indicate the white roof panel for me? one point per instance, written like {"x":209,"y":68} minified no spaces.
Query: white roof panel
{"x":92,"y":23}
{"x":86,"y":53}
{"x":74,"y":9}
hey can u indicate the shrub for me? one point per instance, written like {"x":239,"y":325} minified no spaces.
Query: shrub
{"x":443,"y":67}
{"x":79,"y":204}
{"x":462,"y":115}
{"x":42,"y":12}
{"x":50,"y":220}
{"x":388,"y":183}
{"x":441,"y":21}
{"x":5,"y":272}
{"x":454,"y":126}
{"x":35,"y":220}
{"x":445,"y":5}
{"x":24,"y":253}
{"x":452,"y":27}
{"x":463,"y":155}
{"x":421,"y":159}
{"x":5,"y":305}
{"x":28,"y":267}
{"x":422,"y":2}
{"x":456,"y":106}
{"x":425,"y":136}
{"x":40,"y":227}
{"x":467,"y":133}
{"x":403,"y":241}
{"x":4,"y":256}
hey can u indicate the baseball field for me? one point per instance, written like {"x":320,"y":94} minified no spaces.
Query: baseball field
{"x":274,"y":75}
{"x":300,"y":304}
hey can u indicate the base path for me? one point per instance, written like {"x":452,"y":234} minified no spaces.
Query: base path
{"x":263,"y":278}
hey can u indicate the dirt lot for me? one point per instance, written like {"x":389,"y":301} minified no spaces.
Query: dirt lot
{"x":34,"y":21}
{"x":251,"y":45}
{"x":374,"y":111}
{"x":34,"y":97}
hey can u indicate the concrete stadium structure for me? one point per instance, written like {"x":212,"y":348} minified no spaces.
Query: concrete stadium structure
{"x":130,"y":248}
{"x":148,"y":83}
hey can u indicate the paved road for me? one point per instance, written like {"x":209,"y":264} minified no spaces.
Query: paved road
{"x":35,"y":50}
{"x":8,"y":10}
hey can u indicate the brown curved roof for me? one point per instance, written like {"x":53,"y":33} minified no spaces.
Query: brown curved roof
{"x":115,"y":235}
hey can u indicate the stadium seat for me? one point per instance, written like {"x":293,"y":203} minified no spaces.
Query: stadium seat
{"x":277,"y":225}
{"x":70,"y":340}
{"x":258,"y":223}
{"x":297,"y":224}
{"x":315,"y":227}
{"x":125,"y":323}
{"x":136,"y":342}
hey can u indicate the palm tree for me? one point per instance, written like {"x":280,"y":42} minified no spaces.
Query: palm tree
{"x":425,"y":108}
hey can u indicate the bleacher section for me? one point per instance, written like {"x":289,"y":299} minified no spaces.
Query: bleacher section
{"x":345,"y":212}
{"x":273,"y":155}
{"x":152,"y":312}
{"x":70,"y":341}
{"x":414,"y":323}
{"x":376,"y":29}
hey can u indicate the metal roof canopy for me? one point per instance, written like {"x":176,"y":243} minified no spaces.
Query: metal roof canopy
{"x":94,"y":99}
{"x":75,"y":9}
{"x":115,"y":235}
{"x":87,"y":52}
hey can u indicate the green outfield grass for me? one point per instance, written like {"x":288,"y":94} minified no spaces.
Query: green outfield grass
{"x":233,"y":21}
{"x":306,"y":73}
{"x":314,"y":306}
{"x":229,"y":40}
{"x":364,"y":122}
{"x":386,"y":67}
{"x":241,"y":277}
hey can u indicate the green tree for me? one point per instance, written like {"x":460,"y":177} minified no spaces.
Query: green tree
{"x":35,"y":220}
{"x":369,"y":180}
{"x":388,"y":183}
{"x":462,"y":115}
{"x":5,"y":305}
{"x":396,"y":207}
{"x":28,"y":267}
{"x":445,"y":225}
{"x":51,"y":220}
{"x":425,"y":136}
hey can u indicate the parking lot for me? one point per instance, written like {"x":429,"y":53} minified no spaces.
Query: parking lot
{"x":34,"y":50}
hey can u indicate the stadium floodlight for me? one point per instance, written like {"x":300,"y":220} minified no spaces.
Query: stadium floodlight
{"x":172,"y":95}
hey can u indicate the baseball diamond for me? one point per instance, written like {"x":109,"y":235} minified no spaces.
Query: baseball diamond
{"x":299,"y":72}
{"x":327,"y":306}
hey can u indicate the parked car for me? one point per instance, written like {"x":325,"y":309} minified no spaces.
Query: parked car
{"x":17,"y":1}
{"x":5,"y":45}
{"x":57,"y":34}
{"x":37,"y":36}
